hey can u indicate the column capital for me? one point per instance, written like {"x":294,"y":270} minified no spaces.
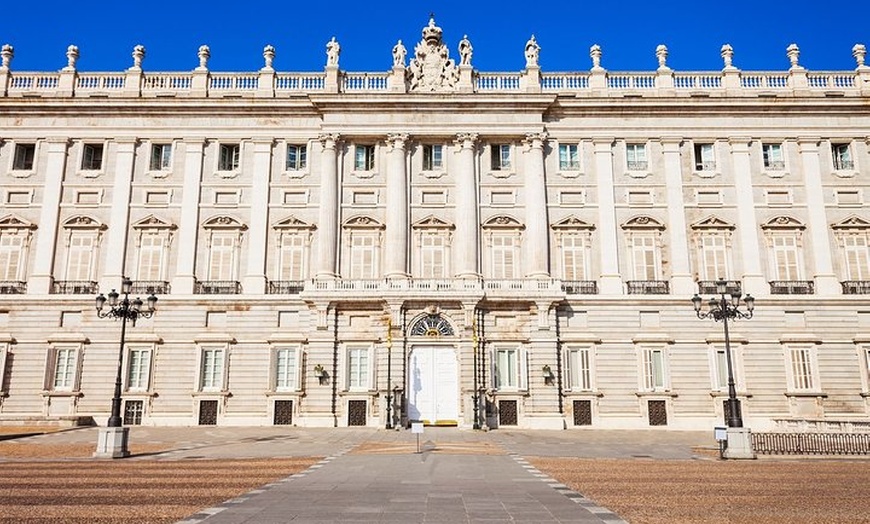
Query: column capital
{"x":329,"y":140}
{"x":808,"y":144}
{"x":740,"y":144}
{"x":671,"y":144}
{"x":397,"y":140}
{"x":57,"y":140}
{"x":193,"y":140}
{"x":263,"y":140}
{"x":535,"y":140}
{"x":603,"y":144}
{"x":469,"y":140}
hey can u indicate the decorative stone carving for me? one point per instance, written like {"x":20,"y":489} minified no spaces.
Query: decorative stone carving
{"x":859,"y":51}
{"x":793,"y":52}
{"x":432,"y":69}
{"x":72,"y":55}
{"x":465,"y":51}
{"x":268,"y":57}
{"x":333,"y":49}
{"x":727,"y":56}
{"x":7,"y":53}
{"x":595,"y":55}
{"x":533,"y":51}
{"x":662,"y":57}
{"x":138,"y":56}
{"x":204,"y":54}
{"x":399,"y":54}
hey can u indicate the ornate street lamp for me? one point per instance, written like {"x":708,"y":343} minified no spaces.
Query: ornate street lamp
{"x":724,"y":309}
{"x":113,"y":439}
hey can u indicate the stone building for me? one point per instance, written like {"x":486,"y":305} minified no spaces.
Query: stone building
{"x":436,"y":243}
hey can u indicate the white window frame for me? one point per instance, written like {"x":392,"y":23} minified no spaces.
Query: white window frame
{"x":715,"y":258}
{"x":864,"y":362}
{"x":229,"y":157}
{"x":653,"y":364}
{"x":636,"y":157}
{"x":288,"y":379}
{"x":214,"y":381}
{"x":76,"y":255}
{"x":90,"y":170}
{"x":501,"y":157}
{"x":5,"y":342}
{"x":364,"y":378}
{"x":646,"y":257}
{"x":229,"y":231}
{"x":14,"y":228}
{"x":773,"y":156}
{"x":65,"y":359}
{"x":293,"y":255}
{"x":433,"y":157}
{"x":802,"y":367}
{"x":580,"y":249}
{"x":300,"y":163}
{"x":364,"y":157}
{"x":842,"y":157}
{"x":434,"y":254}
{"x":856,"y":257}
{"x":719,"y":366}
{"x":786,"y":259}
{"x":364,"y":259}
{"x":517,"y":378}
{"x":162,"y":161}
{"x":504,"y":256}
{"x":14,"y":168}
{"x":138,"y":364}
{"x":704,"y":156}
{"x":569,"y":157}
{"x":580,"y":368}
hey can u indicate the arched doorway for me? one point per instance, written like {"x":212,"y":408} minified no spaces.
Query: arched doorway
{"x":433,"y":373}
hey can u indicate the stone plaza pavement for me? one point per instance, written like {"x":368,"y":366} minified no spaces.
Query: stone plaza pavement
{"x":377,"y":475}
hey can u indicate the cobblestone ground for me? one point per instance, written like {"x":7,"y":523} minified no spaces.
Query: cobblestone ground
{"x":701,"y":491}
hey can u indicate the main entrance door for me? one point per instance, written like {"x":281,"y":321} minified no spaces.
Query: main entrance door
{"x":433,"y":385}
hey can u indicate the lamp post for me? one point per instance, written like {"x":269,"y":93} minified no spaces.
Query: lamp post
{"x":724,"y":309}
{"x":113,"y":438}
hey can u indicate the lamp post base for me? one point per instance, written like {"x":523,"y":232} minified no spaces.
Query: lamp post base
{"x":739,"y":444}
{"x":112,"y":443}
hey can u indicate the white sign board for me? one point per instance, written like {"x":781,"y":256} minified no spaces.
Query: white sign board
{"x":416,"y":427}
{"x":721,"y":433}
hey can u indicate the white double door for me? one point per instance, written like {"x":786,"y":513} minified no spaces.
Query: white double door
{"x":433,"y":385}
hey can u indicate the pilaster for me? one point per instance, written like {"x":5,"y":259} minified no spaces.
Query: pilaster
{"x":826,"y":282}
{"x":328,"y":211}
{"x":537,"y":251}
{"x":611,"y":279}
{"x":188,"y":231}
{"x":753,"y":278}
{"x":254,"y":281}
{"x":116,"y":248}
{"x":41,"y":279}
{"x":681,"y":275}
{"x":466,"y":242}
{"x":396,"y":237}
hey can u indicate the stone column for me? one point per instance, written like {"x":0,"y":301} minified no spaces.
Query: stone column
{"x":327,"y":225}
{"x":826,"y":282}
{"x":188,"y":230}
{"x":753,"y":278}
{"x":467,"y":239}
{"x":537,"y":245}
{"x":681,"y":275}
{"x":611,"y":281}
{"x":254,"y":282}
{"x":46,"y":236}
{"x":396,"y":237}
{"x":119,"y":223}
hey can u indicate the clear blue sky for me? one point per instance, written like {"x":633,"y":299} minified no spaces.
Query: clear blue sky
{"x":628,"y":33}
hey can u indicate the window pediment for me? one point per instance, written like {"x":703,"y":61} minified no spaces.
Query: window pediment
{"x":153,"y":222}
{"x":363,"y":222}
{"x":83,"y":222}
{"x":572,"y":223}
{"x":712,"y":222}
{"x":783,"y":222}
{"x":851,"y":222}
{"x":15,"y":222}
{"x":292,"y":222}
{"x":643,"y":222}
{"x":432,"y":222}
{"x":503,"y":222}
{"x":223,"y":222}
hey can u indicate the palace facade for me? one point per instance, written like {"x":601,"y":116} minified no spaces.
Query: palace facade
{"x":436,"y":243}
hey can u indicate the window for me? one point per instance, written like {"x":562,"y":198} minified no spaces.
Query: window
{"x":866,"y":365}
{"x":432,"y":157}
{"x":579,"y":369}
{"x":802,"y":368}
{"x":81,"y":256}
{"x":222,"y":257}
{"x":714,"y":257}
{"x":569,"y":157}
{"x":92,"y":157}
{"x":364,"y":158}
{"x":575,"y":250}
{"x":292,"y":264}
{"x":63,"y":369}
{"x":151,"y":254}
{"x":229,"y":157}
{"x":432,"y":255}
{"x":719,"y":371}
{"x":510,"y":369}
{"x":645,"y":257}
{"x":705,"y":160}
{"x":138,"y":369}
{"x":786,"y":265}
{"x":501,"y":157}
{"x":653,"y":370}
{"x":297,"y":158}
{"x":773,"y":157}
{"x":286,"y":369}
{"x":12,"y":251}
{"x":635,"y":157}
{"x":24,"y":155}
{"x":358,"y":368}
{"x":857,"y":257}
{"x":842,"y":156}
{"x":161,"y":157}
{"x":504,"y":256}
{"x":363,"y":256}
{"x":211,"y":377}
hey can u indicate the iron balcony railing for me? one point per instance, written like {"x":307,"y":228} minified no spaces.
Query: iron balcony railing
{"x":13,"y":287}
{"x":775,"y":165}
{"x":150,"y":287}
{"x":792,"y":287}
{"x":217,"y":287}
{"x":637,"y":165}
{"x":705,"y":166}
{"x":580,"y":287}
{"x":286,"y":287}
{"x":843,"y":165}
{"x":74,"y":287}
{"x":811,"y":443}
{"x":647,"y":287}
{"x":856,"y":287}
{"x":708,"y":287}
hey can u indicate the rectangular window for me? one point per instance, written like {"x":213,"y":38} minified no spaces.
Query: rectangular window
{"x":80,"y":257}
{"x":222,"y":257}
{"x":432,"y":157}
{"x":569,"y":157}
{"x":802,"y":368}
{"x":64,"y":369}
{"x":705,"y":160}
{"x":507,"y":368}
{"x":580,"y":369}
{"x":161,"y":157}
{"x":138,"y":369}
{"x":358,"y":368}
{"x":285,"y":369}
{"x":644,"y":257}
{"x":92,"y":157}
{"x":501,"y":157}
{"x":363,"y":259}
{"x":151,"y":253}
{"x":364,"y":158}
{"x":503,"y":257}
{"x":785,"y":258}
{"x":432,"y":256}
{"x":574,"y":258}
{"x":229,"y":157}
{"x":773,"y":157}
{"x":24,"y":155}
{"x":720,"y":370}
{"x":292,"y":257}
{"x":212,"y":369}
{"x":857,"y":255}
{"x":11,"y":256}
{"x":714,"y":257}
{"x":653,"y":370}
{"x":297,"y":158}
{"x":842,"y":156}
{"x":635,"y":157}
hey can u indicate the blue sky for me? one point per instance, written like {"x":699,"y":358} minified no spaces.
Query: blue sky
{"x":628,"y":33}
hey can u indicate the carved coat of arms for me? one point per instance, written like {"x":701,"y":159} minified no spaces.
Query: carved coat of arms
{"x":432,"y":69}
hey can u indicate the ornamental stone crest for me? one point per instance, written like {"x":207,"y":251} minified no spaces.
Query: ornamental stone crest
{"x":432,"y":69}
